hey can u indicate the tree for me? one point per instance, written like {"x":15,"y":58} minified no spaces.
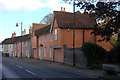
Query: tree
{"x":107,"y":18}
{"x":47,"y":19}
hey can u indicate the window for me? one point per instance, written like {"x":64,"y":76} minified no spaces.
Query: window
{"x":26,"y":43}
{"x":45,"y":37}
{"x":15,"y":45}
{"x":55,"y":34}
{"x":45,"y":52}
{"x":50,"y":52}
{"x":51,"y":36}
{"x":19,"y":44}
{"x":39,"y":52}
{"x":22,"y":43}
{"x":39,"y":39}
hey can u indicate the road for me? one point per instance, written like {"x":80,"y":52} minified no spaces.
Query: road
{"x":18,"y":69}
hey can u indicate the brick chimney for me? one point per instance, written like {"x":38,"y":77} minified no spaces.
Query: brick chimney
{"x":61,"y":8}
{"x":64,"y":9}
{"x":30,"y":30}
{"x":85,"y":11}
{"x":24,"y":32}
{"x":14,"y":35}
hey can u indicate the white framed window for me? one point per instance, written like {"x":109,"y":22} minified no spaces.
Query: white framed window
{"x":15,"y":45}
{"x":51,"y":36}
{"x":55,"y":34}
{"x":45,"y":37}
{"x":26,"y":44}
{"x":39,"y":39}
{"x":45,"y":52}
{"x":39,"y":52}
{"x":20,"y":44}
{"x":50,"y":52}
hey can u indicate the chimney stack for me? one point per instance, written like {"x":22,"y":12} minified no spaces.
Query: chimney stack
{"x":14,"y":35}
{"x":61,"y":8}
{"x":30,"y":30}
{"x":85,"y":11}
{"x":64,"y":9}
{"x":24,"y":32}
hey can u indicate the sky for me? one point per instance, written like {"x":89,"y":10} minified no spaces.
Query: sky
{"x":27,"y":12}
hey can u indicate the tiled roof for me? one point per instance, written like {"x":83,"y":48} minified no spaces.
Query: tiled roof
{"x":22,"y":38}
{"x":65,"y":20}
{"x":16,"y":39}
{"x":37,"y":26}
{"x":43,"y":30}
{"x":9,"y":41}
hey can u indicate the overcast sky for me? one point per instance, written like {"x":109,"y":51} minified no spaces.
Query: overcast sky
{"x":27,"y":11}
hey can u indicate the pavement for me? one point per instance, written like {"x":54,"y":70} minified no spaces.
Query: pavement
{"x":81,"y":71}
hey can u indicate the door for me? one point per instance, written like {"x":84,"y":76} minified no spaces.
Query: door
{"x":58,"y":55}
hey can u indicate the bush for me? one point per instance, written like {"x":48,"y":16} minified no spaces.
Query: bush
{"x":114,"y":56}
{"x":95,"y":54}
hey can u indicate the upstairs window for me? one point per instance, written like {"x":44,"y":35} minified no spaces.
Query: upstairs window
{"x":39,"y":39}
{"x":45,"y":37}
{"x":15,"y":45}
{"x":51,"y":36}
{"x":55,"y":34}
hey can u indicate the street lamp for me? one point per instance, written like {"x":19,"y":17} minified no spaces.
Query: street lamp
{"x":21,"y":35}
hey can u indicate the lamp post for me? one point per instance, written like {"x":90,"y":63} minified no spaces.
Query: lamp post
{"x":21,"y":35}
{"x":74,"y":33}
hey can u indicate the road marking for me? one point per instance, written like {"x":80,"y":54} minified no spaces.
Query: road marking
{"x":19,"y":66}
{"x":30,"y":72}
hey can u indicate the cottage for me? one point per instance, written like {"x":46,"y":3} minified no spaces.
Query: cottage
{"x":51,"y":39}
{"x":34,"y":38}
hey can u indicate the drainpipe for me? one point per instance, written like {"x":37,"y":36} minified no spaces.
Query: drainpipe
{"x":37,"y":48}
{"x":83,"y":34}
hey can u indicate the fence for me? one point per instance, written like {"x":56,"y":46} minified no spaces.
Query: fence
{"x":80,"y":59}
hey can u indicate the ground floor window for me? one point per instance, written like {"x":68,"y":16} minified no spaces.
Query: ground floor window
{"x":50,"y":52}
{"x":45,"y":52}
{"x":40,"y":52}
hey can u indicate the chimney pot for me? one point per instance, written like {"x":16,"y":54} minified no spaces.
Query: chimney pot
{"x":85,"y":11}
{"x":61,"y":8}
{"x":64,"y":9}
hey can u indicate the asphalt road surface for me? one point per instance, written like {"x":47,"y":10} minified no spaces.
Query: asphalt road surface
{"x":17,"y":69}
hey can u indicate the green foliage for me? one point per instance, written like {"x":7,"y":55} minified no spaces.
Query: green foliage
{"x":94,"y":53}
{"x":107,"y":17}
{"x":114,"y":55}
